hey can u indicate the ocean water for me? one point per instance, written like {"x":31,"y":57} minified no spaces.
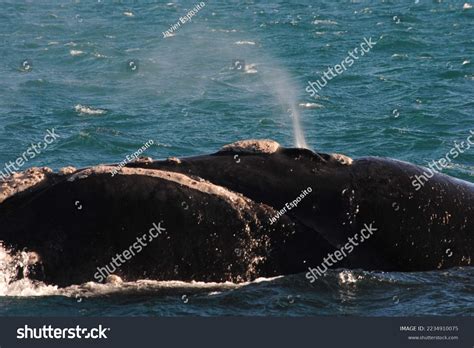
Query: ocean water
{"x":102,"y":74}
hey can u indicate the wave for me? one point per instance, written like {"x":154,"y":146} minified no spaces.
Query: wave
{"x":310,"y":105}
{"x":244,"y":43}
{"x":76,"y":52}
{"x":324,"y":22}
{"x":338,"y":292}
{"x":87,"y":110}
{"x":465,"y":169}
{"x":14,"y":275}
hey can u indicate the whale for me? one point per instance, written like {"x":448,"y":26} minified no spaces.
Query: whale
{"x":252,"y":209}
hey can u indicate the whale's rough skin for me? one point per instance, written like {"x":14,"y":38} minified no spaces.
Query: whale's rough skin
{"x":80,"y":221}
{"x":217,"y":209}
{"x":432,"y":228}
{"x":20,"y":182}
{"x":251,"y":146}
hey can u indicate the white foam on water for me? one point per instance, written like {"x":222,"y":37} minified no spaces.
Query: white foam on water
{"x":348,"y":277}
{"x":466,"y":169}
{"x":244,"y":43}
{"x":324,"y":22}
{"x":87,"y":110}
{"x":250,"y":69}
{"x":12,"y":268}
{"x":75,"y":52}
{"x":310,"y":105}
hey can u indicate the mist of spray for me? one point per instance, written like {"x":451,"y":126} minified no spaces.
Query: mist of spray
{"x":284,"y":89}
{"x":271,"y":76}
{"x":300,"y":140}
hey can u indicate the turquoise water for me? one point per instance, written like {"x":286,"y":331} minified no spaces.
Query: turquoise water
{"x":104,"y":77}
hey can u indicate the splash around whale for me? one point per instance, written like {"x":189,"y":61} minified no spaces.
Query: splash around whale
{"x":222,"y":217}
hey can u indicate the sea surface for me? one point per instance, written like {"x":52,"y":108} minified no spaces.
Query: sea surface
{"x":104,"y":77}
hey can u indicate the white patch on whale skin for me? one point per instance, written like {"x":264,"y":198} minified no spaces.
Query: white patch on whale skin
{"x":252,"y":146}
{"x":343,"y":159}
{"x":19,"y":182}
{"x":233,"y":198}
{"x":67,"y":170}
{"x":113,"y":279}
{"x":173,"y":160}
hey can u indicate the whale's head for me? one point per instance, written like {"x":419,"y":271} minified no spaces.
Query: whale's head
{"x":270,"y":147}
